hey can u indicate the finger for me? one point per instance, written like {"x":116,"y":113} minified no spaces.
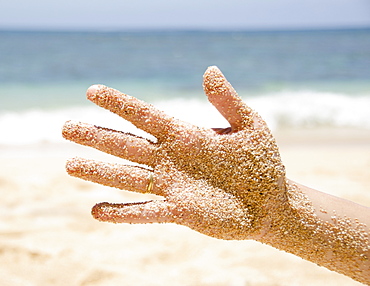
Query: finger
{"x":143,"y":115}
{"x":145,"y":212}
{"x":123,"y":145}
{"x":130,"y":178}
{"x":224,"y":97}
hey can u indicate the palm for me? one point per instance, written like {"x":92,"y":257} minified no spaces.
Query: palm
{"x":214,"y":181}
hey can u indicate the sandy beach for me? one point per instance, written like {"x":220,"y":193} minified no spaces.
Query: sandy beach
{"x":48,"y":237}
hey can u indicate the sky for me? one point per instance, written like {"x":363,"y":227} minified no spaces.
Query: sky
{"x":182,"y":14}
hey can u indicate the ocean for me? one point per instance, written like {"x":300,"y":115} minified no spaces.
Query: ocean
{"x":294,"y":79}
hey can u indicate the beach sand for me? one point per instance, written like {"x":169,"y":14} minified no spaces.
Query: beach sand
{"x":48,"y":237}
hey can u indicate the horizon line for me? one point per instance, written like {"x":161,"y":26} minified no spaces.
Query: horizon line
{"x":179,"y":29}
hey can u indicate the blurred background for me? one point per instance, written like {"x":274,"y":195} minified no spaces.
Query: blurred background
{"x":309,"y":61}
{"x":303,"y":65}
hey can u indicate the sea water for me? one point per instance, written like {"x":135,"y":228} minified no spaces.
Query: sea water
{"x":292,"y":78}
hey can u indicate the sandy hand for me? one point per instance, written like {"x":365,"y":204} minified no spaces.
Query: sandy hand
{"x":225,"y":183}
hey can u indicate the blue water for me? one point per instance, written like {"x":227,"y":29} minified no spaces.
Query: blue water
{"x":35,"y":65}
{"x":45,"y":72}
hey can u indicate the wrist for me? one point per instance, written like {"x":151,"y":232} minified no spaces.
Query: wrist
{"x":277,"y":208}
{"x":339,"y":243}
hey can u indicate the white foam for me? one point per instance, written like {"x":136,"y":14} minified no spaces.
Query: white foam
{"x":313,"y":109}
{"x":306,"y":109}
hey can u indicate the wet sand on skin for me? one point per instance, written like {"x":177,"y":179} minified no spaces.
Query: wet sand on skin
{"x":48,"y":237}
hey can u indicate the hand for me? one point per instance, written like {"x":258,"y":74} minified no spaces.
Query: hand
{"x":226,"y":183}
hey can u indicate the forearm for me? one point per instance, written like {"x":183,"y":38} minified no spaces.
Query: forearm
{"x":323,"y":229}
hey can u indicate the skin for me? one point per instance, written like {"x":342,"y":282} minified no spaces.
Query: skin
{"x":227,"y":183}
